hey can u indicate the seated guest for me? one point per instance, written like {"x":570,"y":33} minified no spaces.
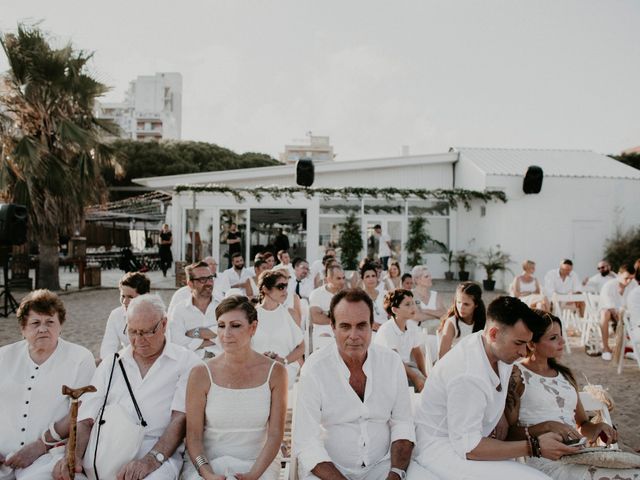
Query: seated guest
{"x":466,"y":316}
{"x":407,"y":281}
{"x":596,"y":282}
{"x":353,"y":412}
{"x":34,"y":415}
{"x":403,"y":336}
{"x":236,"y":404}
{"x":564,"y":281}
{"x":464,"y":398}
{"x":131,"y":285}
{"x":430,"y":304}
{"x":292,"y":301}
{"x":277,"y":335}
{"x":543,"y":397}
{"x":269,"y":258}
{"x":285,"y":260}
{"x":393,"y":277}
{"x":237,"y":276}
{"x":527,"y":288}
{"x":259,"y":266}
{"x":220,"y":286}
{"x":612,"y":299}
{"x":317,"y":268}
{"x":320,"y":300}
{"x":301,"y":284}
{"x":369,"y":275}
{"x":157,"y":371}
{"x":192,"y":323}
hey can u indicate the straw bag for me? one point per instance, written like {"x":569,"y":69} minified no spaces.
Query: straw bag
{"x":115,"y":438}
{"x":604,"y":458}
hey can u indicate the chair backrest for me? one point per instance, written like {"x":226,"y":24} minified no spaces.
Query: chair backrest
{"x":592,"y":404}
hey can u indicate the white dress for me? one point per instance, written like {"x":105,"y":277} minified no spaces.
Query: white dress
{"x":555,"y":399}
{"x":463,"y":328}
{"x":235,"y":430}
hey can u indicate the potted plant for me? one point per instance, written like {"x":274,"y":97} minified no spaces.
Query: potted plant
{"x":493,"y":261}
{"x":418,"y":240}
{"x":463,"y":259}
{"x":448,"y":258}
{"x":350,"y":242}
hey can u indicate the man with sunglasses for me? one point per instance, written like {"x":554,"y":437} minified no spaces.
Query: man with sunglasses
{"x":596,"y":282}
{"x":192,"y":322}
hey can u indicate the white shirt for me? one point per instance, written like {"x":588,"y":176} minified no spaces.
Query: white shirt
{"x":321,"y":298}
{"x":316,"y":268}
{"x":389,"y":335}
{"x":379,"y":313}
{"x":597,"y":281}
{"x":383,"y":246}
{"x":553,"y":283}
{"x":460,"y":399}
{"x":220,"y":286}
{"x":276,"y":332}
{"x":115,"y":333}
{"x":232,"y":277}
{"x":186,"y":316}
{"x":162,"y":390}
{"x":610,"y":297}
{"x":633,"y":305}
{"x":334,"y":425}
{"x":306,"y":286}
{"x":31,"y":395}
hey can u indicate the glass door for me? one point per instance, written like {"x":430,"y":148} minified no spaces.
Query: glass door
{"x":391,"y":226}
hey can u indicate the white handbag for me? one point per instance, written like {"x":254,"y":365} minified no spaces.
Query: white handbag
{"x":115,"y":437}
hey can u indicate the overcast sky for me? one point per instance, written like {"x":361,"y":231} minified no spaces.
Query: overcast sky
{"x":372,"y":74}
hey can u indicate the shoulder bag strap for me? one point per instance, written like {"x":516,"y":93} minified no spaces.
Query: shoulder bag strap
{"x":100,"y":420}
{"x":133,"y":398}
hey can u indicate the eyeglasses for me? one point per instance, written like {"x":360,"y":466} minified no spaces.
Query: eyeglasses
{"x":281,"y":286}
{"x":203,"y":279}
{"x":144,"y":333}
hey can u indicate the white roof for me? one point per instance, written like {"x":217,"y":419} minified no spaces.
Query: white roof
{"x":554,"y":163}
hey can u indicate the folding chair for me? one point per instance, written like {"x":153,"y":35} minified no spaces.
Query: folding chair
{"x":629,"y":338}
{"x":591,"y":323}
{"x":568,"y":316}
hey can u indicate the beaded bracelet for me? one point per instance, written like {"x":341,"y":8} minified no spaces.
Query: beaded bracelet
{"x":535,"y":446}
{"x":529,"y":446}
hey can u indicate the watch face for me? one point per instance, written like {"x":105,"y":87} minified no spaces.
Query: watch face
{"x":160,"y":457}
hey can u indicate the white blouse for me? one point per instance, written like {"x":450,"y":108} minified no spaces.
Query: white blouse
{"x":277,"y":332}
{"x":31,"y":395}
{"x":115,"y":333}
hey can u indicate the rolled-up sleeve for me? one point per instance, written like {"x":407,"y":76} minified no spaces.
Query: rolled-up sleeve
{"x":308,"y":443}
{"x":401,"y":421}
{"x":178,"y":329}
{"x":466,"y":405}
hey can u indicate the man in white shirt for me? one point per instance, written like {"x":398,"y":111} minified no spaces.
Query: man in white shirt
{"x":192,"y":323}
{"x":317,"y":268}
{"x":300,"y":283}
{"x":284,"y":260}
{"x":353,"y":411}
{"x":562,"y":280}
{"x":220,"y":286}
{"x":237,"y":276}
{"x":595,"y":283}
{"x":384,"y":247}
{"x":319,"y":302}
{"x":158,"y":372}
{"x":612,"y":298}
{"x":464,"y":398}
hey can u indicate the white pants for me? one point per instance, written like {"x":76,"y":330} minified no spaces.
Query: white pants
{"x":39,"y":470}
{"x":380,"y":470}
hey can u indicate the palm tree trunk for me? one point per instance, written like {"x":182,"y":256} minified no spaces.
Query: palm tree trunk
{"x":48,"y":275}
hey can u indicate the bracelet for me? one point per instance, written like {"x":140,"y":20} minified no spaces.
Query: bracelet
{"x":53,"y":433}
{"x":529,"y":446}
{"x":535,"y":447}
{"x":44,"y":440}
{"x":200,"y":461}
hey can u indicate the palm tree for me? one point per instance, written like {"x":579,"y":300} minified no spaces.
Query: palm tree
{"x":50,"y":141}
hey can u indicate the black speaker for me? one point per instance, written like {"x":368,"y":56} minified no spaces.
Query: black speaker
{"x":13,"y":224}
{"x":304,"y":172}
{"x":532,"y":182}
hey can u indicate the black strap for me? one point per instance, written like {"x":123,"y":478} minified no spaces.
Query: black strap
{"x":100,"y":420}
{"x":133,"y":398}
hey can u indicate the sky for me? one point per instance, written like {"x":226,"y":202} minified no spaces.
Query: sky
{"x":374,"y":75}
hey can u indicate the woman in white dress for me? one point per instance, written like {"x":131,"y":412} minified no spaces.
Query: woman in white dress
{"x":466,"y":316}
{"x":543,"y":397}
{"x":527,"y":288}
{"x":277,"y":335}
{"x":34,"y":414}
{"x":369,"y":275}
{"x":430,"y":304}
{"x":236,"y":404}
{"x":393,"y":277}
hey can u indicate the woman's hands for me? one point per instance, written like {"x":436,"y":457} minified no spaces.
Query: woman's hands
{"x":551,"y":446}
{"x":567,"y":432}
{"x":606,"y":432}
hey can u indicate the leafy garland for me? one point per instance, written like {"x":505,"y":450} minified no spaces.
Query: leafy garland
{"x":452,"y":196}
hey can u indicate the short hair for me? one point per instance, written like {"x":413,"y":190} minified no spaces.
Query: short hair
{"x":405,"y":276}
{"x":237,"y":302}
{"x":236,"y":255}
{"x":366,"y":267}
{"x":41,"y":301}
{"x":627,"y":267}
{"x":377,"y":226}
{"x":331,"y":267}
{"x":296,"y":261}
{"x":269,"y":278}
{"x":351,"y":295}
{"x":527,"y":263}
{"x":188,"y":270}
{"x":136,"y":280}
{"x":328,"y":258}
{"x":259,"y":263}
{"x":508,"y":311}
{"x":419,"y":271}
{"x":280,"y":252}
{"x":151,"y":300}
{"x":566,"y":261}
{"x":393,"y":298}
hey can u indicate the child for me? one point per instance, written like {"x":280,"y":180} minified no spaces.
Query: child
{"x":465,"y":316}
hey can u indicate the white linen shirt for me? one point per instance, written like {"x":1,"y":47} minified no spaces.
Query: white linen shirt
{"x":162,"y":390}
{"x":31,"y":394}
{"x":321,"y":298}
{"x":389,"y":335}
{"x":553,"y":283}
{"x":186,"y":316}
{"x":231,"y":277}
{"x":597,"y":281}
{"x":306,"y":286}
{"x":610,"y":297}
{"x":115,"y":333}
{"x":334,"y":425}
{"x":463,"y":398}
{"x":633,"y":305}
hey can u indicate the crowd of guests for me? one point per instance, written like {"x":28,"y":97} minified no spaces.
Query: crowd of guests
{"x":213,"y":372}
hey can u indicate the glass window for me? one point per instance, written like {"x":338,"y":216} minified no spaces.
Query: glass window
{"x":436,"y":225}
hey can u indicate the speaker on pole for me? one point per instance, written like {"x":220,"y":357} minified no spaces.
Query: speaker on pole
{"x":13,"y":224}
{"x":304,"y":172}
{"x":532,"y":182}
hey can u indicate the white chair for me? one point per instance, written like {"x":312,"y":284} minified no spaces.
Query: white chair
{"x":592,"y":405}
{"x":630,"y":338}
{"x":591,"y":322}
{"x":291,"y":463}
{"x":568,"y":316}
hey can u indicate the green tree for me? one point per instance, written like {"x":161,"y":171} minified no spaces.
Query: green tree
{"x":50,"y":140}
{"x":350,"y":242}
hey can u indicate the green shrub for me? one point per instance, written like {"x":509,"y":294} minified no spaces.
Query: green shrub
{"x":624,"y":247}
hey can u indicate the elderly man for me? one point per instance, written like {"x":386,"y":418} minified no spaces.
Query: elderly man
{"x":319,"y":302}
{"x":353,"y":412}
{"x":192,"y":322}
{"x":596,"y":282}
{"x":612,"y":298}
{"x":464,"y":398}
{"x":158,"y":372}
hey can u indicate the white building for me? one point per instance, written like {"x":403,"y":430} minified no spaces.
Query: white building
{"x":316,"y":148}
{"x":152,"y":109}
{"x":585,"y":196}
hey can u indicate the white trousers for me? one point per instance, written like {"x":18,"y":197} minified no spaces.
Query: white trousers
{"x":380,"y":470}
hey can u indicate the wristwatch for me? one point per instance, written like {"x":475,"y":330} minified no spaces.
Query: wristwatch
{"x":158,"y":456}
{"x":285,"y":361}
{"x":196,"y":333}
{"x":401,"y":473}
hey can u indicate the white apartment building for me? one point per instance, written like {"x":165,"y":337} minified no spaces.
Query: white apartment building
{"x":151,"y":110}
{"x":316,"y":148}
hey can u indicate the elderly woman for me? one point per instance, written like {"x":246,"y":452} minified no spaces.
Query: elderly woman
{"x":236,"y":404}
{"x":34,"y":413}
{"x":527,"y":287}
{"x":430,"y":304}
{"x":277,"y":335}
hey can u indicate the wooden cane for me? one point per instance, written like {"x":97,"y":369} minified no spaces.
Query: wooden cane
{"x":75,"y":394}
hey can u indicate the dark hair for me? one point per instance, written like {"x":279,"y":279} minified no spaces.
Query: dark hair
{"x":328,"y":258}
{"x":376,"y":226}
{"x":627,"y":267}
{"x":41,"y":301}
{"x":297,"y":261}
{"x":405,"y":276}
{"x":268,"y":280}
{"x":237,"y":302}
{"x":566,"y":261}
{"x":636,"y":266}
{"x":280,"y":252}
{"x":393,"y":298}
{"x":258,"y":256}
{"x":544,"y":321}
{"x":479,"y":313}
{"x":258,"y":263}
{"x":351,"y":295}
{"x":136,"y":280}
{"x":509,"y":310}
{"x":266,"y":255}
{"x":190,"y":268}
{"x":236,"y":255}
{"x":366,"y":267}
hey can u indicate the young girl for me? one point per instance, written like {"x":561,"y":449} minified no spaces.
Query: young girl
{"x":466,"y":315}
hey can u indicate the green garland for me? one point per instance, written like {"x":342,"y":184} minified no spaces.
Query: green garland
{"x":452,"y":197}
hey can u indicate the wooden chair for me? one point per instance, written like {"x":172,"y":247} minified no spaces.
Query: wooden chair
{"x":629,"y":337}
